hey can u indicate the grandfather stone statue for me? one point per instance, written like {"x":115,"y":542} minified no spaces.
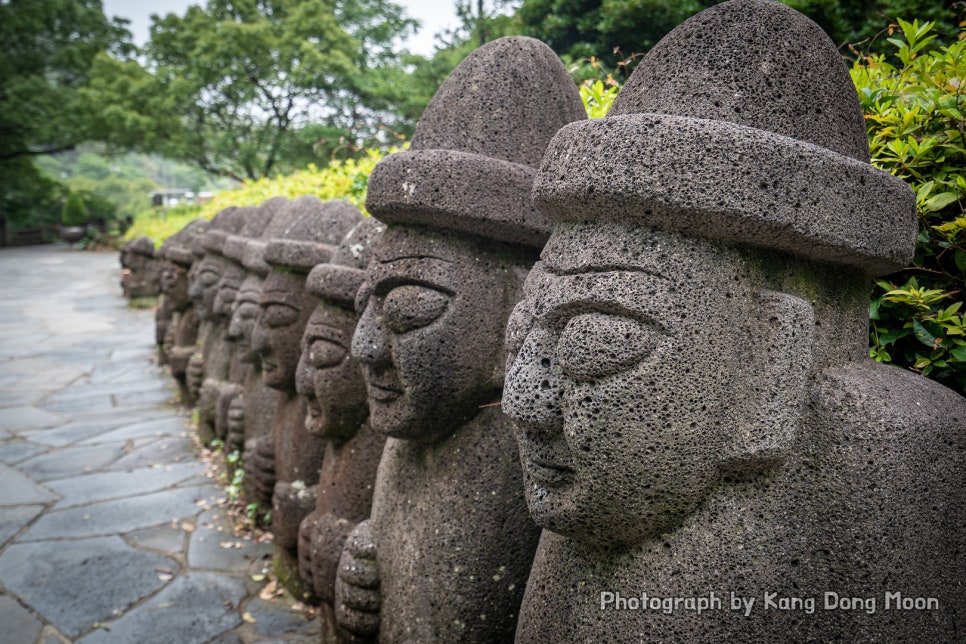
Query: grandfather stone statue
{"x":246,"y":412}
{"x":181,"y":332}
{"x":284,"y":466}
{"x":216,"y":356}
{"x":203,"y":280}
{"x":225,"y":372}
{"x":331,"y":381}
{"x":140,"y":269}
{"x":706,"y":443}
{"x":446,"y":553}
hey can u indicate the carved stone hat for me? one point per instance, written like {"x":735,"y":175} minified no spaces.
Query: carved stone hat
{"x":177,"y":248}
{"x":305,"y":232}
{"x":339,"y":280}
{"x":140,"y":246}
{"x":227,"y":219}
{"x":471,"y":162}
{"x":215,"y":237}
{"x":742,"y":124}
{"x":247,"y":247}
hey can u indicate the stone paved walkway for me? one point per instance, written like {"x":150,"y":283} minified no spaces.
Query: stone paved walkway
{"x":109,"y":529}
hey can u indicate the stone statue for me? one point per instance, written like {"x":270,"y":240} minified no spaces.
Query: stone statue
{"x":246,"y":411}
{"x":226,"y":373}
{"x":706,"y":443}
{"x":140,"y":269}
{"x":181,"y":331}
{"x":217,"y":353}
{"x":331,"y":382}
{"x":203,"y":280}
{"x":448,"y":547}
{"x":284,"y":466}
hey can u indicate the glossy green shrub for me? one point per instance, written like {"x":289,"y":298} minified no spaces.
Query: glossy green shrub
{"x":914,"y":113}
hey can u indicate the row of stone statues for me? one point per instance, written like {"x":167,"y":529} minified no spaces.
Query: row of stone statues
{"x":667,"y":428}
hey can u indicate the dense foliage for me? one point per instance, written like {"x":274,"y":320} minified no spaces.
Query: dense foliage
{"x":247,"y":89}
{"x":47,"y":50}
{"x":613,"y":30}
{"x":339,"y":180}
{"x":915,"y":115}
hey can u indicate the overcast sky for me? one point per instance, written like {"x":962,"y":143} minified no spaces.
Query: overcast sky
{"x":435,"y":15}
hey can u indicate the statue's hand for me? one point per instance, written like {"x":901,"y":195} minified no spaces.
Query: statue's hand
{"x":235,"y":422}
{"x":322,"y":537}
{"x":259,"y":460}
{"x":195,"y":375}
{"x":357,"y":597}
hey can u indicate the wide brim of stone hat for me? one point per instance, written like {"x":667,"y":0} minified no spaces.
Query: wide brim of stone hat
{"x":459,"y":191}
{"x":234,"y":247}
{"x":248,"y":252}
{"x":213,"y":241}
{"x":732,"y":182}
{"x":178,"y":255}
{"x":297,"y":255}
{"x":335,"y":283}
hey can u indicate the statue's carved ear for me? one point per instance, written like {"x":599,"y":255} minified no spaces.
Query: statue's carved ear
{"x":781,"y":348}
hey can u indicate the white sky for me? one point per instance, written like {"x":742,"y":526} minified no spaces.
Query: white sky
{"x":435,"y":15}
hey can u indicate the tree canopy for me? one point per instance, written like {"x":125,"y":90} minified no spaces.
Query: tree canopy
{"x":248,"y":88}
{"x":48,"y":48}
{"x":612,"y":30}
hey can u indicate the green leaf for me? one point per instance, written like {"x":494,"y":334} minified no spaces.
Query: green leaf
{"x":940,"y":201}
{"x":927,"y":332}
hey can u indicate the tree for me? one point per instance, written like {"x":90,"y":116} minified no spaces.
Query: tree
{"x":612,"y":30}
{"x":249,"y":88}
{"x":48,"y":48}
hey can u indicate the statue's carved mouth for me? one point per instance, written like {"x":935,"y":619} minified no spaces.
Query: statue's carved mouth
{"x":549,"y":473}
{"x":382,"y":392}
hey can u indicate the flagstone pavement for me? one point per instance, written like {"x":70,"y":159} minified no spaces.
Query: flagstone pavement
{"x":110,"y":531}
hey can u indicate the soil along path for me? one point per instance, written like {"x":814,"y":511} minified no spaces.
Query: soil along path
{"x":110,"y":529}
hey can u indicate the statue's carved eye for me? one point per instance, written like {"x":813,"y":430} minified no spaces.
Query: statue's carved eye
{"x":279,"y":315}
{"x":209,"y":277}
{"x":411,"y":306}
{"x":517,"y":327}
{"x":324,"y":354}
{"x":595,"y":345}
{"x":247,"y":310}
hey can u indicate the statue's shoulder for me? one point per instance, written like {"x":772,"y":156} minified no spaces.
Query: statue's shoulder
{"x":884,"y":397}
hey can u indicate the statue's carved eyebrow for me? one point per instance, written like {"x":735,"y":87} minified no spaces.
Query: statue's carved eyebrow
{"x":402,"y":257}
{"x":609,"y":268}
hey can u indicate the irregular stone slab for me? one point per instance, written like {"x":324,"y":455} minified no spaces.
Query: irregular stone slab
{"x":19,"y":418}
{"x":165,"y":451}
{"x":138,"y":398}
{"x":168,"y":539}
{"x":16,"y":451}
{"x":105,"y":486}
{"x":194,"y":608}
{"x":120,"y":516}
{"x":173,"y":426}
{"x":274,"y":619}
{"x":71,"y":461}
{"x":116,"y":372}
{"x":148,"y":382}
{"x":21,"y":397}
{"x":75,"y":584}
{"x":12,"y":520}
{"x":89,"y":403}
{"x":68,"y":434}
{"x":18,"y":624}
{"x":212,"y":548}
{"x":83,"y":426}
{"x":20,"y":490}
